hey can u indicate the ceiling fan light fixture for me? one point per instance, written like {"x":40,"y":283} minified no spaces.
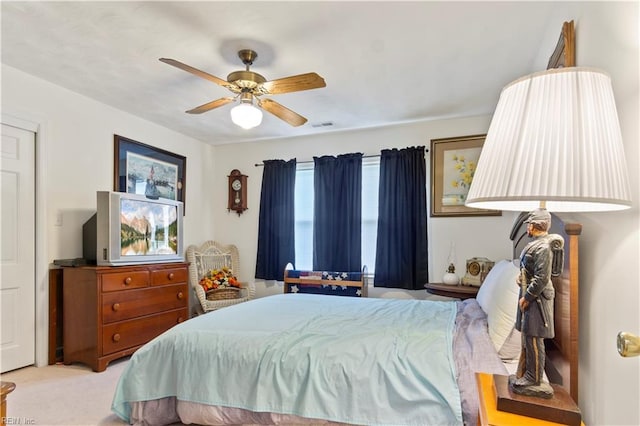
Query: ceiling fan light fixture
{"x":246,"y":115}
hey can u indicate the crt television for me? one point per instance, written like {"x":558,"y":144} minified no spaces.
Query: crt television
{"x":129,"y":229}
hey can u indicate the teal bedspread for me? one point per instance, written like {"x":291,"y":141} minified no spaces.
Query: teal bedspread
{"x":351,"y":360}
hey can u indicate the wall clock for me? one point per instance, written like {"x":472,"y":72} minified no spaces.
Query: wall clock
{"x":237,"y":192}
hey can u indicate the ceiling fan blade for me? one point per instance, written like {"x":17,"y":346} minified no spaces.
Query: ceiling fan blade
{"x":282,"y":112}
{"x":199,"y":73}
{"x":294,"y":83}
{"x":210,"y":105}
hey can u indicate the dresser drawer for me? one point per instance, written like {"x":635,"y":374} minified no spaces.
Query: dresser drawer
{"x":126,"y":334}
{"x":125,"y":280}
{"x":123,"y":305}
{"x":169,"y":276}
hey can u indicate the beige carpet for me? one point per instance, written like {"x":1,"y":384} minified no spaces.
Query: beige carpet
{"x":63,"y":395}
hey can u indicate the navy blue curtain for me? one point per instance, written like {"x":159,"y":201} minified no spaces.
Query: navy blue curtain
{"x":276,"y":245}
{"x":337,"y":213}
{"x":401,"y":250}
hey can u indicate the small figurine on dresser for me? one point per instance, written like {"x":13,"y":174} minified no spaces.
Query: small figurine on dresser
{"x":541,"y":259}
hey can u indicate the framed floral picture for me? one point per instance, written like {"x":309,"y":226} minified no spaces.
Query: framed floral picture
{"x":453,"y":164}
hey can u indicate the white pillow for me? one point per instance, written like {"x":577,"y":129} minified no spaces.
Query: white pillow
{"x":498,"y":298}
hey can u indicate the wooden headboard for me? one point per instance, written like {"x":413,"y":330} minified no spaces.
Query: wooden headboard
{"x":562,"y":351}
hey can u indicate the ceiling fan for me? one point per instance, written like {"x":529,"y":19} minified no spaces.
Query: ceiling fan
{"x":249,"y":86}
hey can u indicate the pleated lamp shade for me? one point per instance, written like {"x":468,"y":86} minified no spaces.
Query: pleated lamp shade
{"x":554,"y":141}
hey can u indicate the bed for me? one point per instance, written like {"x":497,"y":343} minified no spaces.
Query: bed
{"x":321,"y":359}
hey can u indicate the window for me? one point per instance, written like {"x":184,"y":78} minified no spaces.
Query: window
{"x":370,"y":184}
{"x":304,"y":213}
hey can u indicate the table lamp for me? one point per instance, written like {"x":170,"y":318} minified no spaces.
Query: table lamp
{"x":554,"y":143}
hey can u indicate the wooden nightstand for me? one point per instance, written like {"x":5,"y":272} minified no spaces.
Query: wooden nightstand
{"x":456,"y":291}
{"x":488,"y":413}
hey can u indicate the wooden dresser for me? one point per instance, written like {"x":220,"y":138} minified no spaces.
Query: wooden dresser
{"x":109,"y":312}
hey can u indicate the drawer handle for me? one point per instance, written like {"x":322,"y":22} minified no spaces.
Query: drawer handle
{"x":115,"y":306}
{"x":180,"y":319}
{"x":171,"y":275}
{"x":127,"y":281}
{"x":116,"y":337}
{"x":180,"y":295}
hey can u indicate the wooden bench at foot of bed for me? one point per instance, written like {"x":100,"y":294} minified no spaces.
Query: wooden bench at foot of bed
{"x":352,"y":284}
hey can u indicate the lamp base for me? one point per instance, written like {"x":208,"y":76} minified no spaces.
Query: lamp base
{"x":450,"y":279}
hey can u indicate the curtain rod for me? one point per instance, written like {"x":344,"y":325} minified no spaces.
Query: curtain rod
{"x":311,"y":161}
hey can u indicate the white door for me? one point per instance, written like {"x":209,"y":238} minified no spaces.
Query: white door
{"x":17,"y":255}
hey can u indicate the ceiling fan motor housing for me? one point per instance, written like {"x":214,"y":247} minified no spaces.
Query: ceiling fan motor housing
{"x":246,"y":79}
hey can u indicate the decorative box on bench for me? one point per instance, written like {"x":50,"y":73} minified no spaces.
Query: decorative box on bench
{"x":352,"y":284}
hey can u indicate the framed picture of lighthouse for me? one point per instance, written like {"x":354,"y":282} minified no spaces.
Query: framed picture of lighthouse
{"x":145,"y":170}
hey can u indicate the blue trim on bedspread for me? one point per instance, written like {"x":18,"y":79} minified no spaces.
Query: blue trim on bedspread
{"x":351,"y":360}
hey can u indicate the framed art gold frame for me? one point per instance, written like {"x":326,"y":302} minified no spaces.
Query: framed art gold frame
{"x":453,"y":164}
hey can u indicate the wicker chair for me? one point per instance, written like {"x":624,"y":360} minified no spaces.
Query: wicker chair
{"x":213,"y":255}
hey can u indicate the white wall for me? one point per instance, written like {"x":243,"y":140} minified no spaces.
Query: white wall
{"x":486,"y":236}
{"x":607,"y":37}
{"x":79,"y":150}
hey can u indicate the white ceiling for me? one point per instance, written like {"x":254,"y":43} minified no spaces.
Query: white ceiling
{"x":383,"y":62}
